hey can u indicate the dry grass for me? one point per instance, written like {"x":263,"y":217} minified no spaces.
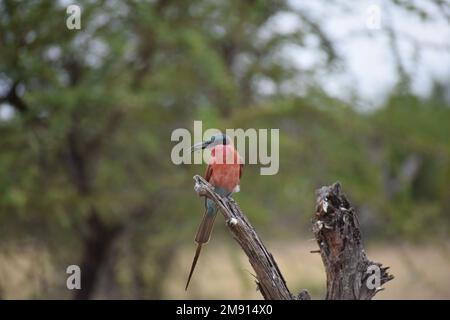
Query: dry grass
{"x":26,"y":273}
{"x":223,"y":271}
{"x":421,"y":271}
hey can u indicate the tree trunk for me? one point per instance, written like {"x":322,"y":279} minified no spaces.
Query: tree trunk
{"x":350,"y":275}
{"x":95,"y":249}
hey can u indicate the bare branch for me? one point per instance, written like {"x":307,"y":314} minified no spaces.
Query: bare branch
{"x":270,"y":281}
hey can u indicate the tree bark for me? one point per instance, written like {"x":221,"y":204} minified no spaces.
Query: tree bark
{"x":350,"y":275}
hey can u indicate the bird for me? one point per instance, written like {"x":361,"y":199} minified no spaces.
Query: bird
{"x":223,"y":172}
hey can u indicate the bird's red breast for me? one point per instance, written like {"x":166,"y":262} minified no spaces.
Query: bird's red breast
{"x":225,"y":167}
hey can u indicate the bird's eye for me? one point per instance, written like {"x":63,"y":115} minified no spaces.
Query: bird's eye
{"x":213,"y":138}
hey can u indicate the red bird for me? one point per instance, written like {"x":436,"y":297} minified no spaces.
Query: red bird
{"x":223,"y":173}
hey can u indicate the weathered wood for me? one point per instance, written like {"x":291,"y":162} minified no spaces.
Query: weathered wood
{"x":270,"y":281}
{"x":350,"y":275}
{"x":335,"y":226}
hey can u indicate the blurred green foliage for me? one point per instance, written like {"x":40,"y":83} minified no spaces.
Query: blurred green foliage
{"x":85,"y":166}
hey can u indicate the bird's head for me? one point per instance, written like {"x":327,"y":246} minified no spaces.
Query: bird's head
{"x":215,"y":140}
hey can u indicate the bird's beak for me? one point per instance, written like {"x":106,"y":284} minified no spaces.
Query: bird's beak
{"x":200,"y":145}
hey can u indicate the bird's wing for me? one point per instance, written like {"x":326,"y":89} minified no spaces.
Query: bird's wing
{"x":208,"y":172}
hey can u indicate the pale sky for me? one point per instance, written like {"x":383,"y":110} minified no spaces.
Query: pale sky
{"x":369,"y":64}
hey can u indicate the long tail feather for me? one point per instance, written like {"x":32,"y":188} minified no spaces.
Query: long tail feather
{"x":194,"y":262}
{"x":202,"y":237}
{"x":205,"y":228}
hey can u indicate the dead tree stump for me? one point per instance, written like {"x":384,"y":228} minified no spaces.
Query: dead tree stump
{"x":350,"y":275}
{"x":336,"y":229}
